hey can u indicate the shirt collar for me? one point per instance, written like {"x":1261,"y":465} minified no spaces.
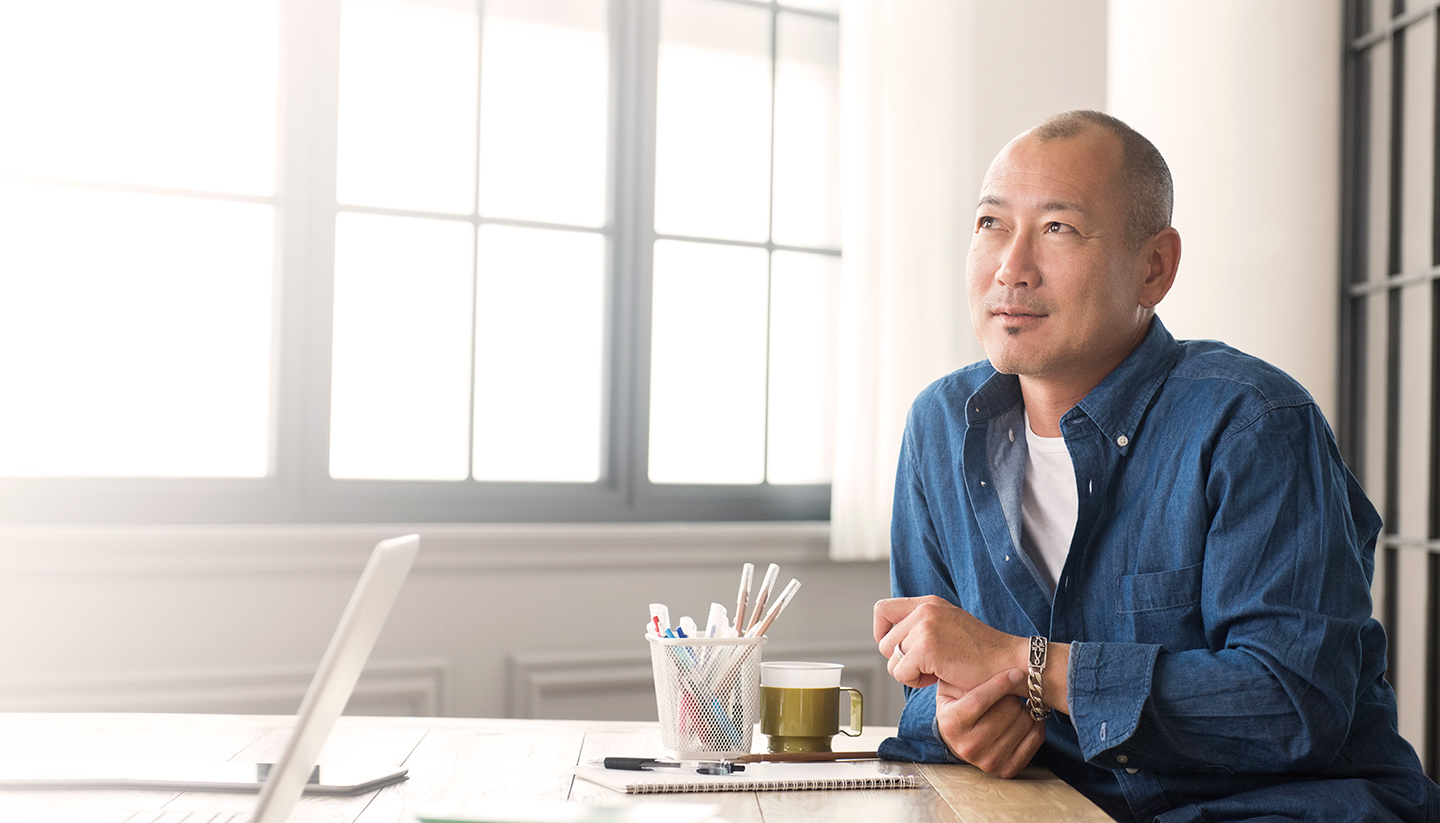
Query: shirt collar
{"x":1116,"y":405}
{"x":1119,"y":402}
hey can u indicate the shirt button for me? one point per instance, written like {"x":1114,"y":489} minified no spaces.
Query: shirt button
{"x":1122,"y":441}
{"x":1122,"y":758}
{"x":1132,"y":771}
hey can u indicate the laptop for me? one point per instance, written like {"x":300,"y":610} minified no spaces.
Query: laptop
{"x":281,"y":784}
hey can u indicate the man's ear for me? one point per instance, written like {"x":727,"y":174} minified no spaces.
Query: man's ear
{"x":1162,"y":259}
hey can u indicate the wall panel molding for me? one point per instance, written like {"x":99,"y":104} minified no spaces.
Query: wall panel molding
{"x":387,"y":687}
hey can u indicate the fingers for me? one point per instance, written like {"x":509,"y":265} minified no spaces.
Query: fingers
{"x":887,"y":614}
{"x":978,"y":700}
{"x":1025,"y":752}
{"x":907,"y":670}
{"x":988,"y":726}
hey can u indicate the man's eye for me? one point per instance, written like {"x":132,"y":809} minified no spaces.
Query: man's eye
{"x":1054,"y":227}
{"x":985,"y":223}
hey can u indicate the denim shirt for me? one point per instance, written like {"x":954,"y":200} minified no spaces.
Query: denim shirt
{"x":1216,"y":593}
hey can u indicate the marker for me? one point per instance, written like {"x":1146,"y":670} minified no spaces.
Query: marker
{"x":661,"y":611}
{"x":765,"y":586}
{"x":656,"y":621}
{"x":716,"y":624}
{"x":790,"y":589}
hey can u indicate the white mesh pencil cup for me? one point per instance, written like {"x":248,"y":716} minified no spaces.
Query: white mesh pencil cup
{"x":707,"y":692}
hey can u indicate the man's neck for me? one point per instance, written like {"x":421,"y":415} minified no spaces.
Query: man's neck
{"x":1048,"y":397}
{"x":1046,"y":403}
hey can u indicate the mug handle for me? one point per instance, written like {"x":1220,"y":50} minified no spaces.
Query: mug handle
{"x":857,"y":712}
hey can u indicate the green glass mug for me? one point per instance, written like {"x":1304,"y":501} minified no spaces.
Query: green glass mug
{"x":800,"y":706}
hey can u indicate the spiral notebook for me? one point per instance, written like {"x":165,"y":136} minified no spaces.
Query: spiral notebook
{"x":761,"y":777}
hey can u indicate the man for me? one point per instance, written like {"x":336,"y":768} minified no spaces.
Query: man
{"x":1154,"y":542}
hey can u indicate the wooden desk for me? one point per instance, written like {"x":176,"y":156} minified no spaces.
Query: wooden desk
{"x":456,"y":760}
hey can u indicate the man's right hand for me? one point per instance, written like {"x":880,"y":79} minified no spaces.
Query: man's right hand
{"x":988,"y":726}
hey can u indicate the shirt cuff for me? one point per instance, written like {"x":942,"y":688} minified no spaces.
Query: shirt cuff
{"x":1108,"y":685}
{"x":919,"y":739}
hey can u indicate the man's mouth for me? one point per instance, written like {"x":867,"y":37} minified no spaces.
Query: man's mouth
{"x":1015,"y":311}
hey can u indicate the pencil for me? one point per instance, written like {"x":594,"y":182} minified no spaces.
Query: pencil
{"x":803,"y":757}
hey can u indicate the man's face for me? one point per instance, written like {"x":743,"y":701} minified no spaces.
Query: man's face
{"x":1055,"y":287}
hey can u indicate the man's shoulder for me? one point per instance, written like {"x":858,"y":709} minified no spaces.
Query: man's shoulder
{"x":952,"y":390}
{"x":1215,"y":369}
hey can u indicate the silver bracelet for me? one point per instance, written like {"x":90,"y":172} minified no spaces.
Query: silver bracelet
{"x":1039,"y":647}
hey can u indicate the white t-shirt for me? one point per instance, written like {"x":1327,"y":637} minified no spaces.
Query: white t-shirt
{"x":1051,"y":502}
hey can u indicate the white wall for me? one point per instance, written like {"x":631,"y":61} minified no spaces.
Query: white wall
{"x":495,"y":621}
{"x":1033,"y":59}
{"x":1243,"y":99}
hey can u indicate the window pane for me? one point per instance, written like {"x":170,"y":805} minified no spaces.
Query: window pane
{"x":134,"y":334}
{"x":407,"y":104}
{"x":153,"y":92}
{"x":707,"y":364}
{"x":543,"y":115}
{"x":804,"y":304}
{"x":807,"y":132}
{"x":400,"y":382}
{"x":539,"y":355}
{"x":712,"y":143}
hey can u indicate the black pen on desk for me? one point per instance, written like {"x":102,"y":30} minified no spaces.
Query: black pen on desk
{"x":650,"y":764}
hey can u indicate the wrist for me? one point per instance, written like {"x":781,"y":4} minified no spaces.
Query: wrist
{"x":1057,"y":678}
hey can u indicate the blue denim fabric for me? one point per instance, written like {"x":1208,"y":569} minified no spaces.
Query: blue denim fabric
{"x":1225,"y":664}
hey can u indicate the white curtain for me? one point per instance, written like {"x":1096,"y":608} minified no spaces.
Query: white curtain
{"x":908,"y":192}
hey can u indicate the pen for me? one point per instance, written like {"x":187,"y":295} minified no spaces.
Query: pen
{"x":650,"y":764}
{"x":765,"y":586}
{"x":790,"y":589}
{"x":743,"y":598}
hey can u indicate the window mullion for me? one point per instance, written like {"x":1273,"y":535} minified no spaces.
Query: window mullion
{"x":642,"y":89}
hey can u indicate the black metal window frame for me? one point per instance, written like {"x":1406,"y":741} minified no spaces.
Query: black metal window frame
{"x":298,"y":488}
{"x":1357,"y":422}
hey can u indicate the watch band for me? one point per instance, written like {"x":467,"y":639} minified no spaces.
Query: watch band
{"x":1039,"y":647}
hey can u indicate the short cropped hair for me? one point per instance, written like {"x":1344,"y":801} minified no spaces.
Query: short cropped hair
{"x":1144,"y":177}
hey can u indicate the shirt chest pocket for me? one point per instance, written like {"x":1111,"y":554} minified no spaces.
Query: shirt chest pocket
{"x":1161,"y":607}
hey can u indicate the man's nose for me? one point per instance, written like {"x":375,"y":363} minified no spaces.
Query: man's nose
{"x":1017,"y":265}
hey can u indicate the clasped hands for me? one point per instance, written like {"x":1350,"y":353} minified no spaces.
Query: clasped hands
{"x":979,"y":675}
